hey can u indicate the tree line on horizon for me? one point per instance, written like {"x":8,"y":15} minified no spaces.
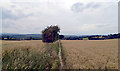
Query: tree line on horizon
{"x":63,"y":37}
{"x":51,"y":34}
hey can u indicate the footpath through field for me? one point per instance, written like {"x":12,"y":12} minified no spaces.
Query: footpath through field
{"x":60,"y":57}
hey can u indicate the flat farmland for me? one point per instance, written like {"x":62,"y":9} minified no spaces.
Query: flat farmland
{"x":28,"y":54}
{"x":36,"y":44}
{"x":90,"y":54}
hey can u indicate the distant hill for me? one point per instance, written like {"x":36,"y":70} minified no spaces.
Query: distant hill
{"x":92,"y":37}
{"x":21,"y":36}
{"x":9,"y":36}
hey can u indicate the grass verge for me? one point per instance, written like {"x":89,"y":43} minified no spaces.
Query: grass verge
{"x":63,"y":55}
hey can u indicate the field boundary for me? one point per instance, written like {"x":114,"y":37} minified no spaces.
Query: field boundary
{"x":60,"y":55}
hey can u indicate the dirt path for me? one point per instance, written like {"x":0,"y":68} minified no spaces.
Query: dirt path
{"x":60,"y":57}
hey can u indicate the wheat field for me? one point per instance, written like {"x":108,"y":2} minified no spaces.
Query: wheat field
{"x":32,"y":45}
{"x":29,"y":54}
{"x":78,"y":54}
{"x":90,"y":54}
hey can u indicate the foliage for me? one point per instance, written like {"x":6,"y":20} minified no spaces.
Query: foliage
{"x":61,"y":36}
{"x":50,"y":34}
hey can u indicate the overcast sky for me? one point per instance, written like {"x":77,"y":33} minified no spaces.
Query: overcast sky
{"x":76,"y":17}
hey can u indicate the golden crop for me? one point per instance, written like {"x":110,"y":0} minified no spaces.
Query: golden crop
{"x":91,"y":54}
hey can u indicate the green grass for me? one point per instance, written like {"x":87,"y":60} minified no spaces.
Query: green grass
{"x":57,"y":48}
{"x":25,"y":58}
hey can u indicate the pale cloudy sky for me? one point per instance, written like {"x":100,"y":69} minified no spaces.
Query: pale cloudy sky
{"x":76,"y":17}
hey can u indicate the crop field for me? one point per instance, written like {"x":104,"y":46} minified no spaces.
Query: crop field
{"x":90,"y":54}
{"x":29,"y":54}
{"x":77,"y":54}
{"x":33,"y":44}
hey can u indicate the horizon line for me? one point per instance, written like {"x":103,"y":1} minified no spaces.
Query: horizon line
{"x":62,"y":34}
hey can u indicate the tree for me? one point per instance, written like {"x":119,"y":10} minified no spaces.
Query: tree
{"x":50,"y":34}
{"x":8,"y":37}
{"x":2,"y":38}
{"x":31,"y":38}
{"x":61,"y":36}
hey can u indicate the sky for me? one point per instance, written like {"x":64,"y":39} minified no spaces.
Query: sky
{"x":74,"y":17}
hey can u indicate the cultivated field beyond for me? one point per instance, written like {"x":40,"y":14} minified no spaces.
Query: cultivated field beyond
{"x":91,"y":54}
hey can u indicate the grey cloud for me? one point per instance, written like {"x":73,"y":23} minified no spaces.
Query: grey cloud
{"x":92,"y":5}
{"x":7,"y":25}
{"x":7,"y":14}
{"x":78,"y":7}
{"x":102,"y":25}
{"x":63,"y":17}
{"x":96,"y":6}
